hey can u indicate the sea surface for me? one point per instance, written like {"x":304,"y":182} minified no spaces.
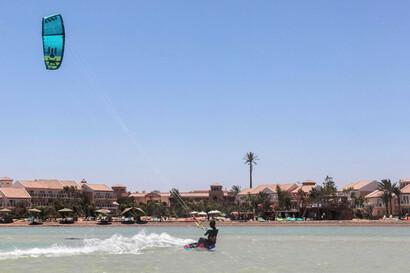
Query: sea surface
{"x":239,"y":249}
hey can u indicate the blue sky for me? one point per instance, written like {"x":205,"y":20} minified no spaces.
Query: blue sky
{"x":160,"y":94}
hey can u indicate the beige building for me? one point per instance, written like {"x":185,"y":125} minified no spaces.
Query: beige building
{"x":405,"y":200}
{"x":11,"y":197}
{"x":215,"y":194}
{"x":100,"y":195}
{"x":361,"y":188}
{"x":404,"y":182}
{"x":375,"y":205}
{"x":120,"y":191}
{"x":144,"y":198}
{"x":44,"y":191}
{"x":269,"y":189}
{"x":6,"y":182}
{"x":305,"y":187}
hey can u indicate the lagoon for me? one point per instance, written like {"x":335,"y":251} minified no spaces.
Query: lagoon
{"x":239,"y":249}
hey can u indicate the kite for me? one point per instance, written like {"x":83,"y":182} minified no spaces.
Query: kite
{"x":53,"y":41}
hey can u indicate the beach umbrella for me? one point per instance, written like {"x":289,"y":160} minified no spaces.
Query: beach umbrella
{"x":202,"y":213}
{"x":103,"y":211}
{"x":125,"y":211}
{"x":214,"y":212}
{"x":193,"y":213}
{"x":130,"y":209}
{"x":5,"y":210}
{"x":140,"y":210}
{"x":115,"y":203}
{"x":34,"y":210}
{"x":65,"y":210}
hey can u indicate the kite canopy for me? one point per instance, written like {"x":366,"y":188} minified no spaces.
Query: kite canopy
{"x":53,"y":41}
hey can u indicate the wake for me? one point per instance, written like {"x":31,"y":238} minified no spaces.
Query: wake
{"x":114,"y":245}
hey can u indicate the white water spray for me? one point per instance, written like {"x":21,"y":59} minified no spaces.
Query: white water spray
{"x":114,"y":245}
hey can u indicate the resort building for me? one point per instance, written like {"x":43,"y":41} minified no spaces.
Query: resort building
{"x":217,"y":194}
{"x":405,"y":200}
{"x":305,"y":187}
{"x":154,"y":196}
{"x":44,"y":192}
{"x":5,"y":182}
{"x":100,"y":195}
{"x":120,"y":191}
{"x":196,"y":195}
{"x":269,"y":189}
{"x":375,"y":205}
{"x":360,"y":188}
{"x":11,"y":197}
{"x":302,"y":192}
{"x":214,"y":194}
{"x":404,"y":182}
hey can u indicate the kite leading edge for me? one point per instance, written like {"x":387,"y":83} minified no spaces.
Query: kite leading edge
{"x":53,"y":41}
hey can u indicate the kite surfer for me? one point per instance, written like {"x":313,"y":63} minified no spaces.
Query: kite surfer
{"x":209,"y":242}
{"x":203,"y":243}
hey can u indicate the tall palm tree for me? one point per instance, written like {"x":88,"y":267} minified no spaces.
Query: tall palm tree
{"x":250,"y":159}
{"x":385,"y":199}
{"x":397,"y":191}
{"x":387,"y":188}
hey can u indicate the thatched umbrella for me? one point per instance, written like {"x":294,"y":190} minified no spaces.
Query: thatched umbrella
{"x":103,"y":211}
{"x":214,"y":212}
{"x":65,"y":210}
{"x":126,"y":211}
{"x":6,"y":217}
{"x":140,"y":210}
{"x":132,"y":209}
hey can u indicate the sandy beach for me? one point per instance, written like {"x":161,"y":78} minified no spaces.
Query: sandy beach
{"x":336,"y":223}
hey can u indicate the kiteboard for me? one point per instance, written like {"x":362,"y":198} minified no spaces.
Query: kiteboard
{"x":199,"y":247}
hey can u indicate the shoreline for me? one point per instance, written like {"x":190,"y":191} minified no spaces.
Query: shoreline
{"x":326,"y":223}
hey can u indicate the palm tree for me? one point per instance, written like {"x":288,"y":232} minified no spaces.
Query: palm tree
{"x":300,"y":195}
{"x":316,"y":196}
{"x":250,"y":159}
{"x":263,"y":203}
{"x":387,"y":188}
{"x":251,"y":203}
{"x":385,"y":199}
{"x":397,"y":191}
{"x":234,"y":191}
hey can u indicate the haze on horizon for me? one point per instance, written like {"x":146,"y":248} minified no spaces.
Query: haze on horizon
{"x":166,"y":94}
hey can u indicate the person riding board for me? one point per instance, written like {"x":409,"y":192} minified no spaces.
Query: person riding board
{"x":210,"y":241}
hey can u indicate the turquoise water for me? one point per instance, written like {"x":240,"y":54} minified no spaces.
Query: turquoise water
{"x":239,"y":249}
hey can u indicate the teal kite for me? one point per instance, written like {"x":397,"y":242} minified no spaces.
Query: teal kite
{"x":53,"y":41}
